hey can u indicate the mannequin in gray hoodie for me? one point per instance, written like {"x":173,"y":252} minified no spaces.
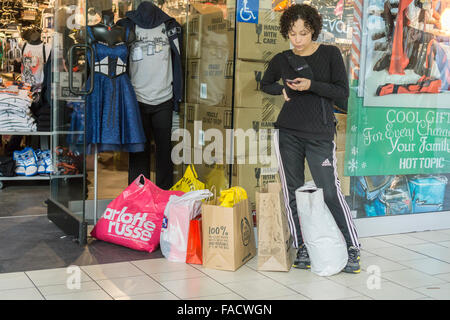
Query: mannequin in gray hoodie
{"x":156,"y":75}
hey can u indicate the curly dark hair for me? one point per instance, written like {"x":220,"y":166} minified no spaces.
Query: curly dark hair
{"x":310,"y":16}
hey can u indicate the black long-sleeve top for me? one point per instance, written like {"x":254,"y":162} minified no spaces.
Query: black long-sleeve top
{"x":307,"y":115}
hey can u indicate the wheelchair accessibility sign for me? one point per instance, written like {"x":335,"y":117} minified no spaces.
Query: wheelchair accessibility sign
{"x":247,"y":11}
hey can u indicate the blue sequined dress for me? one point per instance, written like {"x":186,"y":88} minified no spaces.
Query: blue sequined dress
{"x":113,"y":120}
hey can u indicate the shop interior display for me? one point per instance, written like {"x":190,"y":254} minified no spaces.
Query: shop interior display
{"x":25,"y":37}
{"x":193,"y":60}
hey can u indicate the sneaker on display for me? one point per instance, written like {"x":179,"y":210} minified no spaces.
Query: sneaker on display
{"x":47,"y":158}
{"x":30,"y":162}
{"x":20,"y":166}
{"x":40,"y":162}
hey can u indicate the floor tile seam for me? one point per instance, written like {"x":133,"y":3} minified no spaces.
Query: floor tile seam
{"x":67,"y":294}
{"x":355,"y":288}
{"x":280,"y":283}
{"x":423,"y":253}
{"x":102,"y":289}
{"x":109,"y":278}
{"x":403,"y":270}
{"x":92,"y":280}
{"x":359,"y":293}
{"x":163,"y":272}
{"x":125,"y":277}
{"x":167,"y":272}
{"x":350,"y":286}
{"x":80,"y":292}
{"x":428,"y":240}
{"x":40,"y":292}
{"x":400,"y":285}
{"x":390,"y":280}
{"x":222,"y":284}
{"x":432,"y":275}
{"x":24,"y":216}
{"x":59,"y":284}
{"x":167,"y":289}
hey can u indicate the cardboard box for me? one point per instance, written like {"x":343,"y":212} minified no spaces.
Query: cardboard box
{"x":341,"y":131}
{"x":262,"y":41}
{"x":193,"y":80}
{"x":208,"y":28}
{"x":263,"y":4}
{"x":262,"y":121}
{"x":209,"y":80}
{"x":247,"y":91}
{"x":216,"y":77}
{"x":199,"y":118}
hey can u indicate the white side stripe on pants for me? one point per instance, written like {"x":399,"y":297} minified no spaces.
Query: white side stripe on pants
{"x":285,"y":189}
{"x":348,"y":216}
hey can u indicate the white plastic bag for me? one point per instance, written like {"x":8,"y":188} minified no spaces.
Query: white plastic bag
{"x":175,"y":228}
{"x":326,"y":245}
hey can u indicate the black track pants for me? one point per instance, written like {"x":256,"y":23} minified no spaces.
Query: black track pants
{"x":157,"y":122}
{"x":321,"y":157}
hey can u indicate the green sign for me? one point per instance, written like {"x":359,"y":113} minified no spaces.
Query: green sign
{"x":396,"y":141}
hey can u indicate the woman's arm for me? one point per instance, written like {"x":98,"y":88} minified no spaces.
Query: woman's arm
{"x":269,"y":82}
{"x":338,"y":87}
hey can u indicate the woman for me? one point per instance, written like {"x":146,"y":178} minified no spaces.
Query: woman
{"x":314,"y":76}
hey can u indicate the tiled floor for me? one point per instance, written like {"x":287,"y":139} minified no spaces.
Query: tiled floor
{"x":413,"y":266}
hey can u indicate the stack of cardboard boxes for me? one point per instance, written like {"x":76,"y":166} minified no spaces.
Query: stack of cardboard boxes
{"x":210,"y":67}
{"x":256,"y":44}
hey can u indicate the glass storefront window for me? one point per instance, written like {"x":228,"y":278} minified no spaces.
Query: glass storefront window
{"x":392,"y":145}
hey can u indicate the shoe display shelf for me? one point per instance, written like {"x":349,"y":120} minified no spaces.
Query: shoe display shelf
{"x":44,"y":143}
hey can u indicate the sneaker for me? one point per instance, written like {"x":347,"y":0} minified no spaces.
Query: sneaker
{"x":20,"y":166}
{"x":47,"y":159}
{"x":30,"y":162}
{"x":354,"y":258}
{"x":302,"y":260}
{"x":40,"y":162}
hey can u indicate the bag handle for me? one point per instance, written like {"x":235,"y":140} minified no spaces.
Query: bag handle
{"x":192,"y":168}
{"x":213,"y":197}
{"x":137,"y":181}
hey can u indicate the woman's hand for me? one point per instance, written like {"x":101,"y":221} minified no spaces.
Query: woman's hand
{"x":286,"y":98}
{"x":299,"y":84}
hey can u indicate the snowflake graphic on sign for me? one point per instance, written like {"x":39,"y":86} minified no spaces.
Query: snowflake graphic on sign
{"x":353,"y":165}
{"x":354,"y":151}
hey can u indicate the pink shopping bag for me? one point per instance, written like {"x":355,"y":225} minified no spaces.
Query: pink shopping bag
{"x":135,"y":217}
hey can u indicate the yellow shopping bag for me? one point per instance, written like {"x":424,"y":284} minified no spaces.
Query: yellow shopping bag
{"x":189,"y":182}
{"x":230,"y":197}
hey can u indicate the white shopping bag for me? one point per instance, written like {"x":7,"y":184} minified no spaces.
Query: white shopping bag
{"x":175,"y":229}
{"x":326,"y":245}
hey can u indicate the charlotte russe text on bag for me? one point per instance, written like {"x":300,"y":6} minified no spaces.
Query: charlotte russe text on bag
{"x":132,"y":225}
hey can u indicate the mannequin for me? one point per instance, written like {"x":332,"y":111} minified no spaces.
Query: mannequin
{"x":108,"y":32}
{"x":34,"y":37}
{"x":113,"y":121}
{"x":156,"y":75}
{"x":34,"y":56}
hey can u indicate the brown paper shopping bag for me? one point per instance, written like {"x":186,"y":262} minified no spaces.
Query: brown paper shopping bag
{"x":228,"y":237}
{"x":275,"y":243}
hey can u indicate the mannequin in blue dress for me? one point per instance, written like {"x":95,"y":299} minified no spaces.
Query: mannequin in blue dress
{"x":113,"y":121}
